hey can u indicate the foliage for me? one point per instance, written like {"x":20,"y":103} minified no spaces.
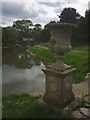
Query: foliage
{"x":86,"y":102}
{"x":10,"y":35}
{"x":76,"y":60}
{"x":37,"y":32}
{"x":22,"y":25}
{"x":25,"y":106}
{"x":45,"y":35}
{"x":37,"y":27}
{"x":87,"y":14}
{"x":27,"y":29}
{"x":22,"y":29}
{"x":87,"y":17}
{"x":68,"y":15}
{"x":80,"y":36}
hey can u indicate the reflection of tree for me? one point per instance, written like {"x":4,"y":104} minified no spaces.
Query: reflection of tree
{"x":19,"y":58}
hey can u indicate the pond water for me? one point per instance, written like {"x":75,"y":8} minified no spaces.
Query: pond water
{"x":21,"y":72}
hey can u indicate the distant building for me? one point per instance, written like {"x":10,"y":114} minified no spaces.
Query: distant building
{"x":78,"y":17}
{"x":30,"y":41}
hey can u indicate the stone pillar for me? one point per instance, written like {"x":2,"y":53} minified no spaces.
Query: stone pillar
{"x":58,"y":87}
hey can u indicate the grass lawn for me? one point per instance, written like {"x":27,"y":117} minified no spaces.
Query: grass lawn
{"x":74,"y":47}
{"x":25,"y":106}
{"x":77,"y":60}
{"x":81,"y":47}
{"x":44,"y":44}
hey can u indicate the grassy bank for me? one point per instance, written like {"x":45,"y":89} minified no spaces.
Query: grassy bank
{"x":25,"y":106}
{"x":77,"y":60}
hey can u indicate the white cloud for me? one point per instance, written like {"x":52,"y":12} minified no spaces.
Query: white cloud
{"x":38,"y":11}
{"x":89,"y":5}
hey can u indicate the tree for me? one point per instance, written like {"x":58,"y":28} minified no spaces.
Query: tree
{"x":80,"y":36}
{"x":45,"y":35}
{"x":10,"y":35}
{"x":37,"y":27}
{"x":87,"y":14}
{"x":24,"y":27}
{"x":87,"y":19}
{"x":68,"y":15}
{"x":4,"y":35}
{"x":37,"y":32}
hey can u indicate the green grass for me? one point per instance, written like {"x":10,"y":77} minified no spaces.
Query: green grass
{"x":74,"y":47}
{"x":44,"y":44}
{"x":25,"y":106}
{"x":76,"y":60}
{"x":81,"y":47}
{"x":44,"y":54}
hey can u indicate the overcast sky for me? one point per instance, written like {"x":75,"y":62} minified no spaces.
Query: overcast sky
{"x":38,"y":11}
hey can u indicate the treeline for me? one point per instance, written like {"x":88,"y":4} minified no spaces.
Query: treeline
{"x":19,"y":30}
{"x":80,"y":35}
{"x":26,"y":29}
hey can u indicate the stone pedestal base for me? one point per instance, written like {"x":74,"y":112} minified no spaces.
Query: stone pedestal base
{"x":58,"y":87}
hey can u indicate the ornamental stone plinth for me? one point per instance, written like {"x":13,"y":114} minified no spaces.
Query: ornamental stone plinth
{"x":59,"y":76}
{"x":58,"y":87}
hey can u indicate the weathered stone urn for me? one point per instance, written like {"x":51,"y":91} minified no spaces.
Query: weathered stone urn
{"x":59,"y":76}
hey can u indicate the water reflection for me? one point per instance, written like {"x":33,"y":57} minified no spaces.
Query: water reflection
{"x":21,"y":72}
{"x":19,"y":58}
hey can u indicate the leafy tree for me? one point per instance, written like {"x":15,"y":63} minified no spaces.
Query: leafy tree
{"x":68,"y":15}
{"x":87,"y":19}
{"x":87,"y":14}
{"x":45,"y":35}
{"x":4,"y":35}
{"x":27,"y":29}
{"x":37,"y":27}
{"x":24,"y":27}
{"x":37,"y":32}
{"x":80,"y":36}
{"x":10,"y":35}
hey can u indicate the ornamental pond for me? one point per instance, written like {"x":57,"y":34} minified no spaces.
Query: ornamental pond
{"x":21,"y":72}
